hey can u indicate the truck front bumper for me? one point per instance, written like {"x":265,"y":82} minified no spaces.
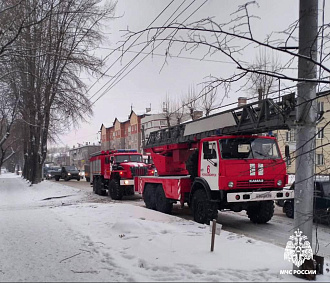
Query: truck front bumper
{"x":128,"y":182}
{"x":260,"y":196}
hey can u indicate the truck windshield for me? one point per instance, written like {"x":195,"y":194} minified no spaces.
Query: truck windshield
{"x":249,"y":148}
{"x":128,"y":158}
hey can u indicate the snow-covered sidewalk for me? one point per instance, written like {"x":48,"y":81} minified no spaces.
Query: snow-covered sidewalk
{"x":50,"y":233}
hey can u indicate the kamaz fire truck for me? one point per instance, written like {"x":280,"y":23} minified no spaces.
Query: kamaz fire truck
{"x":113,"y":172}
{"x":221,"y":162}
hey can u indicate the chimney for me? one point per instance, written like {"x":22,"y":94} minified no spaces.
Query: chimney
{"x":241,"y":101}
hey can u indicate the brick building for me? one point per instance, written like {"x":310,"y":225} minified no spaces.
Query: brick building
{"x":123,"y":133}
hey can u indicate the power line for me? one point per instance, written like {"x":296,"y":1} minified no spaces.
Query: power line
{"x":114,"y":83}
{"x":131,"y":61}
{"x":173,"y":56}
{"x":126,"y":49}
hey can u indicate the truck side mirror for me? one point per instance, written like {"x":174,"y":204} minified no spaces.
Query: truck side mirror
{"x":287,"y":151}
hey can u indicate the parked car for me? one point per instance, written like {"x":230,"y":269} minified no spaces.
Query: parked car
{"x":51,"y":172}
{"x":67,"y":173}
{"x":321,"y":202}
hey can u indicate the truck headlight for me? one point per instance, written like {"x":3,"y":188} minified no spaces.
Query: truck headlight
{"x":279,"y":183}
{"x":126,"y":182}
{"x":69,"y":174}
{"x":231,"y":184}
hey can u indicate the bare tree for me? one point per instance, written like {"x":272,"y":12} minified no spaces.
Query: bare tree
{"x":167,"y":108}
{"x":234,"y":40}
{"x":263,"y":84}
{"x":208,"y":100}
{"x":46,"y":61}
{"x":191,"y":102}
{"x":179,"y":110}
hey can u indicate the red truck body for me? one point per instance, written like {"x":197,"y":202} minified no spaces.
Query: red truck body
{"x":199,"y":165}
{"x":114,"y":172}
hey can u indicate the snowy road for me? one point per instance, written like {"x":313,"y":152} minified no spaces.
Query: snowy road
{"x":275,"y":232}
{"x":50,"y":232}
{"x":37,"y":245}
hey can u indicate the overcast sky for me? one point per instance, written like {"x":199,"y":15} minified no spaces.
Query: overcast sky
{"x":149,"y":83}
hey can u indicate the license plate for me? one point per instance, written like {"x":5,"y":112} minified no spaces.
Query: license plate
{"x":262,"y":196}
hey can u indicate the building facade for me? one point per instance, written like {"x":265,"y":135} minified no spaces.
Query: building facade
{"x":321,"y":140}
{"x":79,"y":156}
{"x":123,"y":134}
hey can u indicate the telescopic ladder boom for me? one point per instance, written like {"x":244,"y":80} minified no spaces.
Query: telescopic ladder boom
{"x":254,"y":118}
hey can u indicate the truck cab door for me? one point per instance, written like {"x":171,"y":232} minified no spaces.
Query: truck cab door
{"x":210,"y":164}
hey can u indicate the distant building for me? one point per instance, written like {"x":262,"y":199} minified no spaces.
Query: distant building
{"x":123,"y":134}
{"x":61,"y":159}
{"x":133,"y":132}
{"x":79,"y":156}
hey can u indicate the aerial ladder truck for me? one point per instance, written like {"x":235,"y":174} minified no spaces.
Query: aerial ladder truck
{"x":226,"y":161}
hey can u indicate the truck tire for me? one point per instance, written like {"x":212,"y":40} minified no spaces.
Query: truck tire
{"x":94,"y":185}
{"x":57,"y":178}
{"x":192,"y":165}
{"x":78,"y":179}
{"x":100,"y":187}
{"x":115,"y":191}
{"x":261,"y":212}
{"x":88,"y":179}
{"x":162,"y":203}
{"x":203,"y":210}
{"x":288,"y":209}
{"x":149,"y":196}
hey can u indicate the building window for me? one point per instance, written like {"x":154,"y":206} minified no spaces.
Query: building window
{"x":162,"y":122}
{"x":290,"y":136}
{"x":320,"y":106}
{"x":320,"y":133}
{"x":319,"y":159}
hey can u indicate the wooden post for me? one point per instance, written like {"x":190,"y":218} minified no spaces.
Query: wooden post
{"x":214,"y":224}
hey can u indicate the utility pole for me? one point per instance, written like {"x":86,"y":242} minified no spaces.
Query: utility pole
{"x":306,"y":119}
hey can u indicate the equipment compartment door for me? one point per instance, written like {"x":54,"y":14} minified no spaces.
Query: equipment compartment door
{"x":210,"y":164}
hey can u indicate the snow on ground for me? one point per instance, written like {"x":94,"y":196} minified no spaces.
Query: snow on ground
{"x":79,"y":241}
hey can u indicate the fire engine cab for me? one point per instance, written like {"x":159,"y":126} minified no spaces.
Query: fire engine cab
{"x":113,"y":171}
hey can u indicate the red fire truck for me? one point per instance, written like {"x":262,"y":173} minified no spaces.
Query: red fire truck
{"x":113,"y":172}
{"x":221,"y":162}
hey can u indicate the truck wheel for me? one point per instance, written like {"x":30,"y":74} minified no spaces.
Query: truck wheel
{"x":192,"y":165}
{"x":162,"y":203}
{"x":288,"y":209}
{"x":78,"y":179}
{"x":94,"y":186}
{"x":203,"y":210}
{"x":100,"y":187}
{"x":115,"y":191}
{"x":88,"y":179}
{"x":261,"y":212}
{"x":57,"y":178}
{"x":149,"y":196}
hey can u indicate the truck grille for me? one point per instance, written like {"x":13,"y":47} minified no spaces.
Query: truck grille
{"x":139,"y":171}
{"x":248,"y":184}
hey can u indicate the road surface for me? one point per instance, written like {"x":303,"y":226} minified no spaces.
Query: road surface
{"x":277,"y":231}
